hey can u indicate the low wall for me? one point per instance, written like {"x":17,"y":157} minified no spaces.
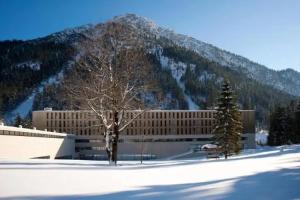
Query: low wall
{"x":159,"y":147}
{"x":19,"y":143}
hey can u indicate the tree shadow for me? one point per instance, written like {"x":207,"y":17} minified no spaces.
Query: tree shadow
{"x":282,"y":184}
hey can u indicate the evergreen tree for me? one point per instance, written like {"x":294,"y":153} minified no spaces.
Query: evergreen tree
{"x":228,"y":129}
{"x":297,"y":124}
{"x":18,"y":121}
{"x":281,"y":126}
{"x":25,"y":123}
{"x":1,"y":119}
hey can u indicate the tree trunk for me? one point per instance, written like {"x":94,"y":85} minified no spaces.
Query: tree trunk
{"x":115,"y":137}
{"x":108,"y":145}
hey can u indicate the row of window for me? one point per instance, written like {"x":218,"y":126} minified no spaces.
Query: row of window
{"x":57,"y":123}
{"x":169,"y":131}
{"x":143,"y":123}
{"x":80,"y":142}
{"x":148,"y":115}
{"x":135,"y":131}
{"x":162,"y":123}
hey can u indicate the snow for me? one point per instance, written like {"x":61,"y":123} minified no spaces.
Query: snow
{"x":261,"y":137}
{"x":24,"y":108}
{"x":178,"y":70}
{"x":267,"y":173}
{"x":34,"y":65}
{"x":65,"y":34}
{"x":209,"y":146}
{"x":286,"y":81}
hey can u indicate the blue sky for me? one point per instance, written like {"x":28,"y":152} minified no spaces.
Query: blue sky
{"x":265,"y":31}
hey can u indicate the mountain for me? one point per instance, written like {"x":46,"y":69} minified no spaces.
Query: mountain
{"x":189,"y":72}
{"x":286,"y":80}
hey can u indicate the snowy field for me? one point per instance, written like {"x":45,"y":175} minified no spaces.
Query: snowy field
{"x":269,"y":173}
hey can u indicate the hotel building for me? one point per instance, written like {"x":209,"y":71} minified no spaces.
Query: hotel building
{"x":156,"y":133}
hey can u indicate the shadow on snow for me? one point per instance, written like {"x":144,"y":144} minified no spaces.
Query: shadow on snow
{"x":280,"y":184}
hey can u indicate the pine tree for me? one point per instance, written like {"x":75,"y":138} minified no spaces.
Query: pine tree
{"x":297,"y":124}
{"x":25,"y":123}
{"x":228,"y":129}
{"x":282,"y":128}
{"x":18,"y":121}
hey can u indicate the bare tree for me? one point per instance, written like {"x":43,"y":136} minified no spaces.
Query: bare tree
{"x":110,"y":79}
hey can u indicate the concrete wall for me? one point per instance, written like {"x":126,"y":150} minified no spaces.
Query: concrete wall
{"x":158,"y":146}
{"x":15,"y":144}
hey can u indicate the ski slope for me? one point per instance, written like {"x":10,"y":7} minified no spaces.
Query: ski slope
{"x":269,"y":173}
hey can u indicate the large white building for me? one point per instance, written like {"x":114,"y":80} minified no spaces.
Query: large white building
{"x":156,"y":133}
{"x":23,"y":143}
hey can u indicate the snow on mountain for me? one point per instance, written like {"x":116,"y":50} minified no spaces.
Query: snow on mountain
{"x":177,"y":71}
{"x":25,"y":107}
{"x":287,"y":80}
{"x":34,"y":65}
{"x":290,"y":74}
{"x":71,"y":34}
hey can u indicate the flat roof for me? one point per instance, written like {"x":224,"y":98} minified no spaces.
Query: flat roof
{"x":134,"y":110}
{"x":28,"y":130}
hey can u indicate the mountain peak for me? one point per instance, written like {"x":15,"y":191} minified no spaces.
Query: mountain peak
{"x":137,"y":21}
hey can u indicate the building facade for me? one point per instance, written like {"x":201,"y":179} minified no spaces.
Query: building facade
{"x":23,"y":143}
{"x":159,"y":133}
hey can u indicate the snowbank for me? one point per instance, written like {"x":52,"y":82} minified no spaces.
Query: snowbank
{"x":267,"y":173}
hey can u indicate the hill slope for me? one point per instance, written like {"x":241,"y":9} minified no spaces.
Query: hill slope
{"x":189,"y":72}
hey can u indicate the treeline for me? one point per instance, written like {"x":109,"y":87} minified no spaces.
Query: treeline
{"x":17,"y":75}
{"x":285,"y":125}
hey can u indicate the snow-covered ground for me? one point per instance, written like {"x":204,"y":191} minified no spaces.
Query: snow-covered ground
{"x":268,"y":173}
{"x":261,"y":137}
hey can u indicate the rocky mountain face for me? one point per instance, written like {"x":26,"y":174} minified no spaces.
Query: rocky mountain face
{"x":286,"y":80}
{"x":189,"y":72}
